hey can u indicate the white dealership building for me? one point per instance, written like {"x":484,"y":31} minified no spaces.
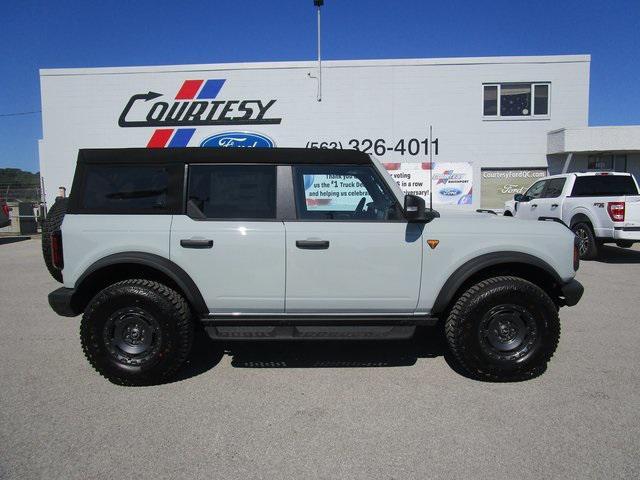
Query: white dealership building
{"x":497,"y":122}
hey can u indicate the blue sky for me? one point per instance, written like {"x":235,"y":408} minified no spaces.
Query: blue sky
{"x":88,"y":33}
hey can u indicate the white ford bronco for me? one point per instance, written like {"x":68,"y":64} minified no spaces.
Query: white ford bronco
{"x":600,"y":207}
{"x":273,"y":244}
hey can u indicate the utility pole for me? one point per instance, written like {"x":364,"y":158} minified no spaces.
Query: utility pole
{"x":318,"y":4}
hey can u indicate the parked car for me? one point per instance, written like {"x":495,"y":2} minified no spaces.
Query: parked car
{"x":600,"y":207}
{"x":5,"y":219}
{"x":301,"y":244}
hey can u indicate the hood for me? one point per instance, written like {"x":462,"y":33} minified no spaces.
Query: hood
{"x":475,"y":222}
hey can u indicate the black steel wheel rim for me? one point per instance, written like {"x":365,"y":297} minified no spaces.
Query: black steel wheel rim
{"x":583,"y":240}
{"x":132,"y":336}
{"x":508,"y":332}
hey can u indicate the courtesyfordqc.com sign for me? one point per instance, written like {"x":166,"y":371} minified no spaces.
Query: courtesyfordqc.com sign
{"x":501,"y":184}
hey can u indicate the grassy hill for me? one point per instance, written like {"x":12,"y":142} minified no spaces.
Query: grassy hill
{"x":15,"y":176}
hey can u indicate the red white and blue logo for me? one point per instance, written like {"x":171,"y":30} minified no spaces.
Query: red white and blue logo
{"x":196,"y":104}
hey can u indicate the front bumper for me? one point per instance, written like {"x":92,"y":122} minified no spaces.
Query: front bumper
{"x":572,"y":292}
{"x":62,"y":302}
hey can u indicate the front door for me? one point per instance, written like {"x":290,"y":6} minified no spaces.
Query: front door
{"x":549,"y":204}
{"x":529,"y":210}
{"x":230,"y":242}
{"x":350,"y":250}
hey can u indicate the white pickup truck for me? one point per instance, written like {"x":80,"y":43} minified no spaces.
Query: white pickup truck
{"x":600,"y":207}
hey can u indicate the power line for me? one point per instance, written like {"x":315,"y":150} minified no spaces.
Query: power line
{"x":15,"y":114}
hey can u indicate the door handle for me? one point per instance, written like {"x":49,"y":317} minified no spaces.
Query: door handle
{"x":193,"y":243}
{"x":555,"y":205}
{"x":534,"y":205}
{"x":312,"y":244}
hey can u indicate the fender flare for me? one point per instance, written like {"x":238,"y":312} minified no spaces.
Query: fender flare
{"x":181,"y":278}
{"x":580,"y":217}
{"x":475,"y":265}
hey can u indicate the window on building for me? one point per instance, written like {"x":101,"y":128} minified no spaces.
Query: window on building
{"x":600,"y":162}
{"x":511,"y":100}
{"x":541,"y":100}
{"x":490,"y":99}
{"x":232,"y":191}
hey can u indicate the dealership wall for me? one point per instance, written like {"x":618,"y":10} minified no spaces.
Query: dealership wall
{"x":363,"y":102}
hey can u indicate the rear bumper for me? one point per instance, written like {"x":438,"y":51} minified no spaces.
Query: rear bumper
{"x":572,"y":292}
{"x":627,"y":233}
{"x":62,"y":302}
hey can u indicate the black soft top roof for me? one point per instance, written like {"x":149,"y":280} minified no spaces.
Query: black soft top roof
{"x":281,"y":156}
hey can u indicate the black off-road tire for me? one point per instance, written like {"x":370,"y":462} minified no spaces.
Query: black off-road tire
{"x":132,"y":315}
{"x":588,"y":245}
{"x":51,"y":224}
{"x":515,"y":302}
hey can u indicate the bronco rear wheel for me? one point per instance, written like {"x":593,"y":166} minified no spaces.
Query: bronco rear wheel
{"x":503,"y":328}
{"x":137,"y":332}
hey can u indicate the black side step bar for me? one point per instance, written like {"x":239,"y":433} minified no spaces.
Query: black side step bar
{"x":353,"y":327}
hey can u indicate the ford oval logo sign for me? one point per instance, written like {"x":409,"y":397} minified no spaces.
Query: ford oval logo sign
{"x":450,"y":192}
{"x":238,"y":139}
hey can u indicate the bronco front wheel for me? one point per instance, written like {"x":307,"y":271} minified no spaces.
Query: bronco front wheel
{"x":503,"y":328}
{"x":137,"y":332}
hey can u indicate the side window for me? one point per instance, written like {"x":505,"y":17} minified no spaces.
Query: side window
{"x":535,"y":191}
{"x":129,"y":189}
{"x":232,"y":191}
{"x":554,"y":187}
{"x":335,"y":192}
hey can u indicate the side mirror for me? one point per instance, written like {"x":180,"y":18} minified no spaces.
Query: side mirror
{"x":415,"y":210}
{"x":518,"y":197}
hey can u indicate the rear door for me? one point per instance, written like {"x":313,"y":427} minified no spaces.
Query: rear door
{"x":229,"y":240}
{"x":350,"y":249}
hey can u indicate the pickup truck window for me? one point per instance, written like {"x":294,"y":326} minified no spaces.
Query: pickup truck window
{"x":335,"y":192}
{"x":604,"y":186}
{"x":233,"y":191}
{"x":535,"y":191}
{"x":554,"y":187}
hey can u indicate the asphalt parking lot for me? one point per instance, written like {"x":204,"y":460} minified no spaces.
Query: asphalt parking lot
{"x":348,"y":410}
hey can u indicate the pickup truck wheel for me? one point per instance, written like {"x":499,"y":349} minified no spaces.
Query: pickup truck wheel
{"x":624,"y":243}
{"x":137,"y":332}
{"x":503,"y":329}
{"x":587,"y":244}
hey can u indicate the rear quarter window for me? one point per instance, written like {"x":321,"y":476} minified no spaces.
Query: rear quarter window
{"x":149,"y":189}
{"x":604,"y":186}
